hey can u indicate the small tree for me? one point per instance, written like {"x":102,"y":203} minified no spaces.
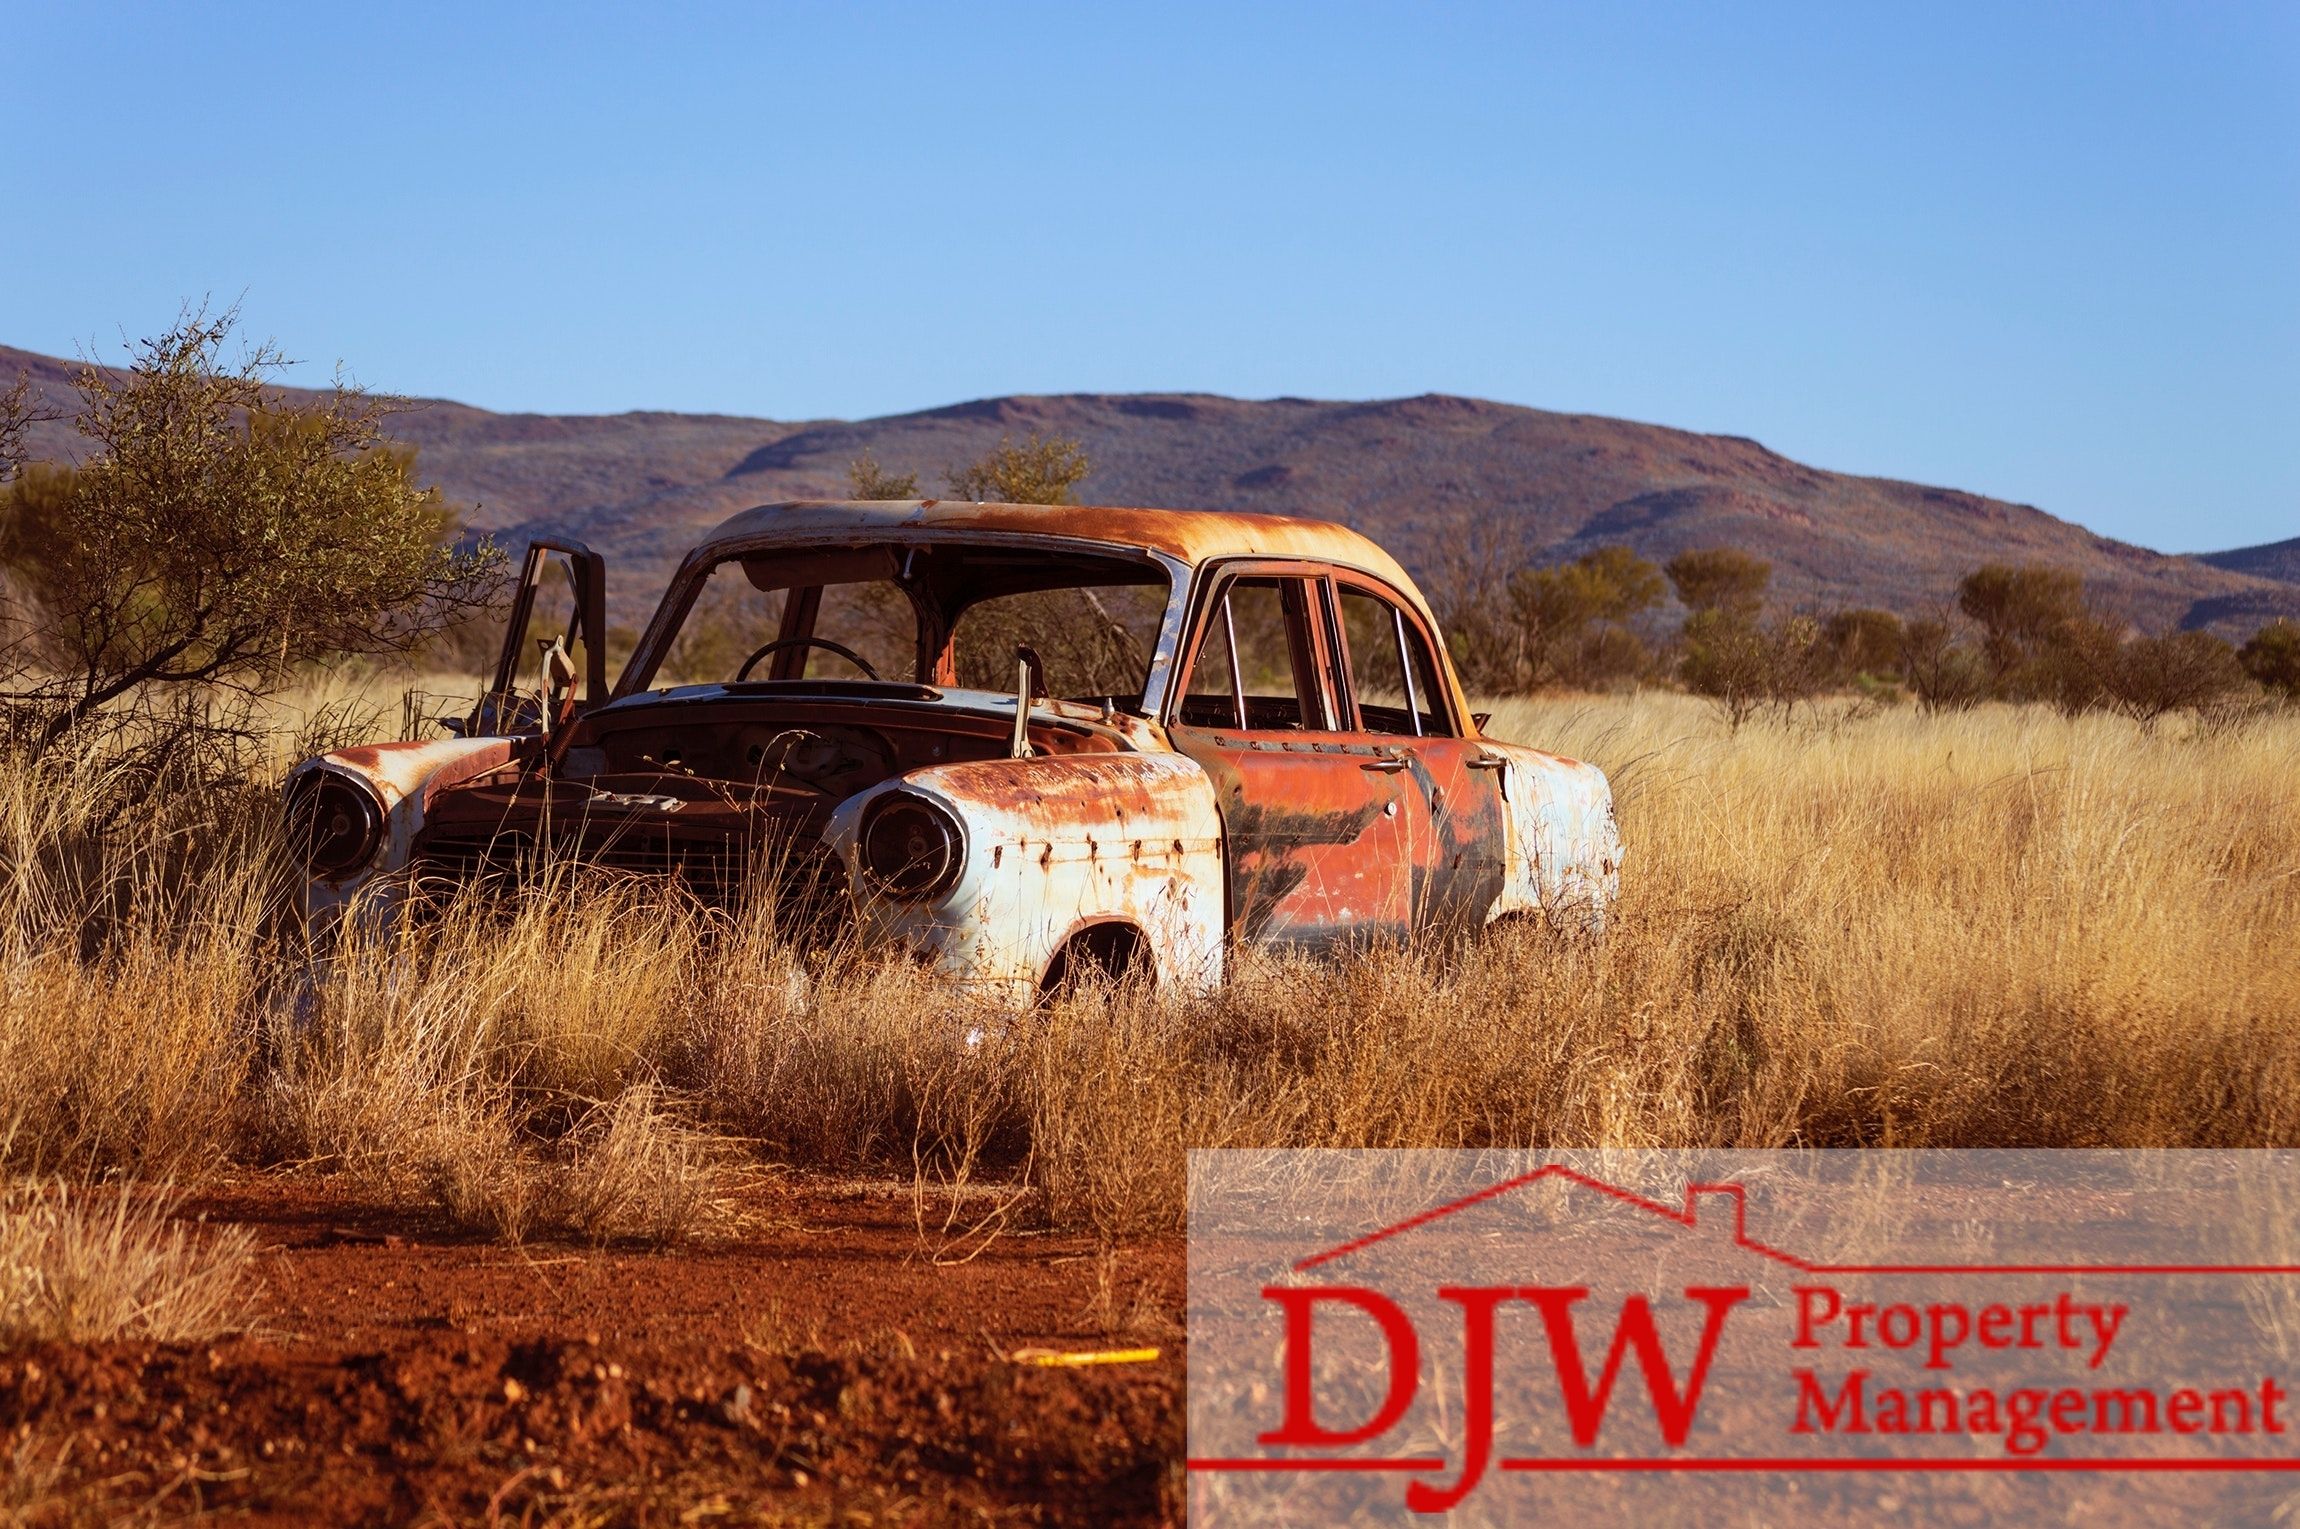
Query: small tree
{"x":1726,"y":655}
{"x":2090,"y":664}
{"x":2074,"y":667}
{"x":2147,"y":678}
{"x":2175,"y":671}
{"x":1554,"y":608}
{"x":1609,"y":653}
{"x":1864,"y":642}
{"x":18,"y":413}
{"x":870,"y":481}
{"x":1944,"y":674}
{"x":1467,"y":583}
{"x":1035,"y":472}
{"x":2272,"y":657}
{"x":2018,"y":610}
{"x":1801,"y":663}
{"x":220,"y":535}
{"x":1743,"y":666}
{"x":1728,"y":660}
{"x":1723,"y":579}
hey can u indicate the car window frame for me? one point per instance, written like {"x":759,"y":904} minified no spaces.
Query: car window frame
{"x":1306,"y":637}
{"x":1404,"y":618}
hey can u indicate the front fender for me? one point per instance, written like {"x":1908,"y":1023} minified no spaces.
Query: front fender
{"x":1565,"y":851}
{"x":403,"y":777}
{"x":1053,"y":844}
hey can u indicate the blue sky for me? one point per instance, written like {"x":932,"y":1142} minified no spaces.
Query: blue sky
{"x":2045,"y":253}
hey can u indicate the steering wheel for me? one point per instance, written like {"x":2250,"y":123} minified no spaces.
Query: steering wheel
{"x":841,"y":649}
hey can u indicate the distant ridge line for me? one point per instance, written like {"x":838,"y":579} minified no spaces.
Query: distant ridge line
{"x":1441,"y":479}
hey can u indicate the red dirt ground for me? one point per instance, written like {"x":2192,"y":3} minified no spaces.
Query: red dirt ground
{"x":830,"y":1370}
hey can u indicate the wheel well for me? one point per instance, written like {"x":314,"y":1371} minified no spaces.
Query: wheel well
{"x":1112,"y":950}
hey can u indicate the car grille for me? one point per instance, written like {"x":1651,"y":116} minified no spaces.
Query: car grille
{"x":806,"y":880}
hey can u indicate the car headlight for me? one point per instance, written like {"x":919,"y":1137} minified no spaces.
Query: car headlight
{"x":334,"y":823}
{"x":910,"y":848}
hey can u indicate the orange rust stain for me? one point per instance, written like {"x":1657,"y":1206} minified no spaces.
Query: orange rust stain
{"x":1192,"y":536}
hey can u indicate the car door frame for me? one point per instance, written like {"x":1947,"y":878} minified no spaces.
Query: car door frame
{"x":587,"y":573}
{"x":1458,"y":832}
{"x":1313,"y":855}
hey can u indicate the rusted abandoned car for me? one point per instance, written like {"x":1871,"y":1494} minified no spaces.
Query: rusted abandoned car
{"x":1016,"y":741}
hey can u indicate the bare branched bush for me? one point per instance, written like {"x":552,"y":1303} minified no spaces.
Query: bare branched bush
{"x":1744,"y":668}
{"x":1944,"y":674}
{"x":20,"y":410}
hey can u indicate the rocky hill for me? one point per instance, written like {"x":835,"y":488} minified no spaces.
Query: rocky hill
{"x":1441,"y":480}
{"x":2274,"y":560}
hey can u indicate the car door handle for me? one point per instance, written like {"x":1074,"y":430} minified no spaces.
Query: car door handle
{"x":1489,"y":762}
{"x":1386,"y":765}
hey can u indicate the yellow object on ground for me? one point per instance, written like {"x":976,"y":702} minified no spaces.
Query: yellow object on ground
{"x":1058,"y":1358}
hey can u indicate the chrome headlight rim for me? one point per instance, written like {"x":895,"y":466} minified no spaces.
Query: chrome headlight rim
{"x":335,"y":824}
{"x":909,"y":848}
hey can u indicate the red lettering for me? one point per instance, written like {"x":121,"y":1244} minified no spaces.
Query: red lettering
{"x":2186,"y":1411}
{"x":1942,"y":1399}
{"x":2128,"y":1411}
{"x":2022,"y":1436}
{"x":1477,"y":1307}
{"x":2068,"y":1410}
{"x":1847,"y":1407}
{"x":1943,"y":1339}
{"x":1907,"y":1317}
{"x":1301,"y":1425}
{"x":1996,"y":1324}
{"x":1809,"y":1298}
{"x":1672,"y":1409}
{"x":2105,"y":1322}
{"x":2240,"y":1402}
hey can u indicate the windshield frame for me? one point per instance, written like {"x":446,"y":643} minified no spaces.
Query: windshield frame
{"x":695,"y":570}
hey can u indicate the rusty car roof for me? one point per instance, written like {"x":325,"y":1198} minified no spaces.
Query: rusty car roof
{"x":1191,"y":536}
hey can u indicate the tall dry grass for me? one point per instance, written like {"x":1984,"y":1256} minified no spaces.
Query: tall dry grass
{"x":72,"y":1271}
{"x":1999,"y":928}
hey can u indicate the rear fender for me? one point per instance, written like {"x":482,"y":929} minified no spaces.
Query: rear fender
{"x":1564,"y":856}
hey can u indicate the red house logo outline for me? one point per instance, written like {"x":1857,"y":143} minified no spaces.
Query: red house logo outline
{"x":1689,"y":1219}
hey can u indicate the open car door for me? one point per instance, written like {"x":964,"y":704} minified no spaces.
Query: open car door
{"x":554,"y":659}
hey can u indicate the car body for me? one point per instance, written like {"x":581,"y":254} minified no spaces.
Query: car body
{"x":1218,"y":729}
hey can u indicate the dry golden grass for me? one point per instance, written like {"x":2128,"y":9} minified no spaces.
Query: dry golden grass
{"x":501,"y":1065}
{"x":2002,"y":927}
{"x":1999,"y":928}
{"x":76,"y":1271}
